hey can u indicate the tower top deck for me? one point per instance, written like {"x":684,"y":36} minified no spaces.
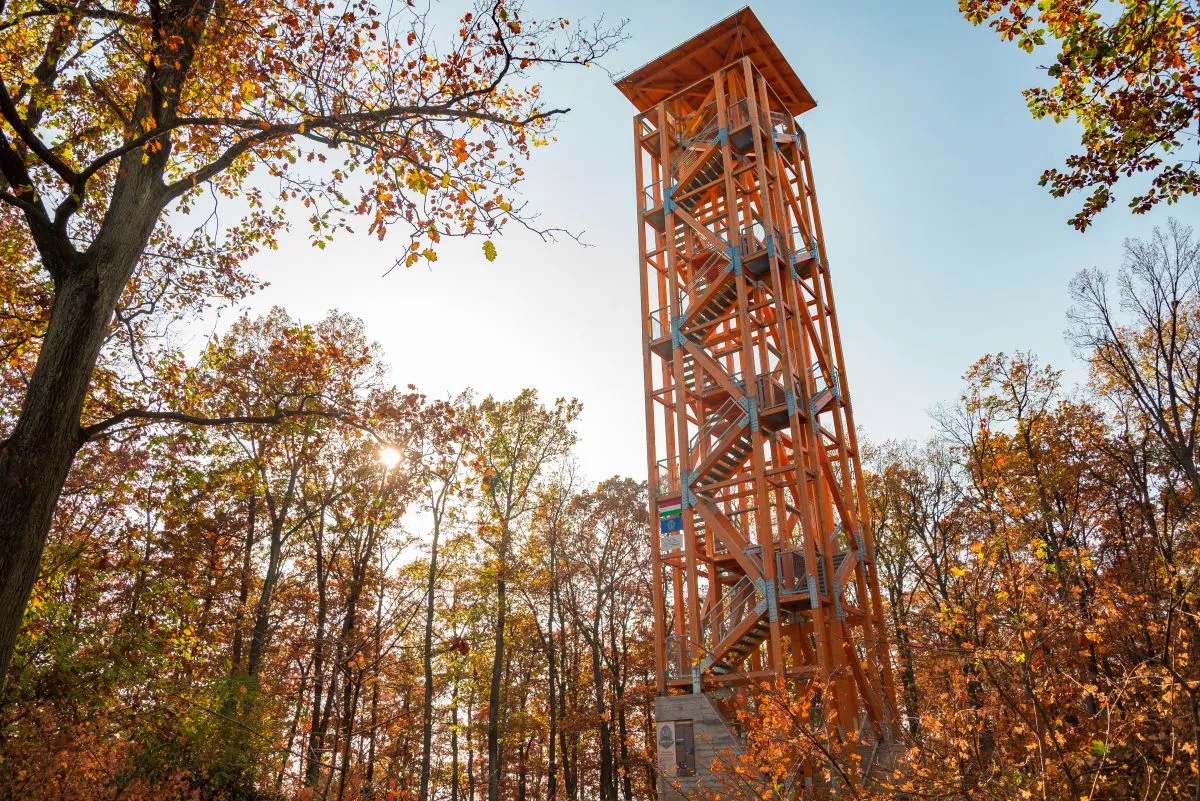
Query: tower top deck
{"x":738,"y":35}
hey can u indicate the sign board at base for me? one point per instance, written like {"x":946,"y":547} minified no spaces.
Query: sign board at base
{"x":666,"y":749}
{"x":670,"y":542}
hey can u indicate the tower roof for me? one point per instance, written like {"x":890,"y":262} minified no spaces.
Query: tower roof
{"x":705,"y":53}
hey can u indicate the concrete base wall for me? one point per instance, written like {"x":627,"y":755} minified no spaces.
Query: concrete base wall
{"x":713,"y":738}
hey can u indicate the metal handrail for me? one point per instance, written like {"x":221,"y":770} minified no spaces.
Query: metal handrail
{"x":822,"y":382}
{"x":737,"y":113}
{"x":666,"y":476}
{"x":780,"y":119}
{"x":704,"y":133}
{"x":731,"y":611}
{"x":771,"y":388}
{"x":754,"y":242}
{"x":678,"y":656}
{"x":705,"y":275}
{"x":659,"y":323}
{"x":718,"y":423}
{"x":704,"y":130}
{"x":651,"y":198}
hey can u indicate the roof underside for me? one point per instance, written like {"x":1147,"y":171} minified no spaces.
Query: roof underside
{"x":702,"y":55}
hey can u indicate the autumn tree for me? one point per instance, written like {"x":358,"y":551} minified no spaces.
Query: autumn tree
{"x":605,"y":590}
{"x":520,"y":441}
{"x":1127,"y":73}
{"x":117,"y":122}
{"x":446,"y":448}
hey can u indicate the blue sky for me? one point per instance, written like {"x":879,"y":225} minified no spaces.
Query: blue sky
{"x":942,"y":246}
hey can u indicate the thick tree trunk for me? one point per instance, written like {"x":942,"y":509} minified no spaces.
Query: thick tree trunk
{"x":494,"y":700}
{"x":316,"y":730}
{"x":36,"y":458}
{"x":243,"y":589}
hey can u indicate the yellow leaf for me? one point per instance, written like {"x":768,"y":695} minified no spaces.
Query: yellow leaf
{"x":489,"y":250}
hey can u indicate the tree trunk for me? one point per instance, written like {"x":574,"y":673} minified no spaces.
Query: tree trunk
{"x":427,"y":657}
{"x":349,"y":710}
{"x":625,"y":774}
{"x":243,"y":588}
{"x":471,"y":739}
{"x":494,"y":705}
{"x":262,"y":610}
{"x":316,"y":730}
{"x":36,"y":458}
{"x":454,"y":741}
{"x":552,"y":756}
{"x":608,"y":792}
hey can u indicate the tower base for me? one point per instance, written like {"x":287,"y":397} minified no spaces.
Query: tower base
{"x":691,"y":735}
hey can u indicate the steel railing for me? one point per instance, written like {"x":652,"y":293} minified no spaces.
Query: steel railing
{"x":737,"y":603}
{"x":707,"y":273}
{"x":825,"y":382}
{"x":718,"y":423}
{"x":666,"y":476}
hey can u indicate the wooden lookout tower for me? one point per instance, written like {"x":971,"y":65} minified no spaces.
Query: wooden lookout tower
{"x":764,"y":563}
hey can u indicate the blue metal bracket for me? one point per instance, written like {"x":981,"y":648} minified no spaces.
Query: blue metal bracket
{"x":677,"y":337}
{"x":696,"y":678}
{"x":792,"y":267}
{"x":771,"y":246}
{"x":837,"y":601}
{"x":735,"y":258}
{"x":814,"y":251}
{"x":722,"y":137}
{"x":669,"y":204}
{"x":814,"y":596}
{"x":749,"y":412}
{"x":687,"y":498}
{"x":789,"y":398}
{"x":766,"y":599}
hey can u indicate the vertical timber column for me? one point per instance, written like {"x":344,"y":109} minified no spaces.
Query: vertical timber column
{"x":656,"y":573}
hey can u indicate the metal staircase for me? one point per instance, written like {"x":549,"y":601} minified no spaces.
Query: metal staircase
{"x":734,"y":626}
{"x":723,"y":442}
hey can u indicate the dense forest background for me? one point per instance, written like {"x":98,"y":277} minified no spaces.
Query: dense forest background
{"x":260,"y":611}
